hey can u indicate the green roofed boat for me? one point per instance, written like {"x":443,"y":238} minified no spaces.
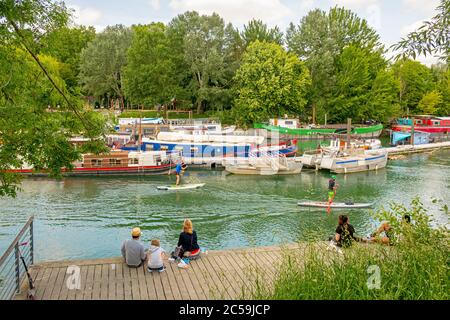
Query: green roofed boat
{"x":371,"y":131}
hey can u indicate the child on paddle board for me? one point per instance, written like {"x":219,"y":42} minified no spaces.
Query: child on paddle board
{"x":332,"y":187}
{"x":179,"y":169}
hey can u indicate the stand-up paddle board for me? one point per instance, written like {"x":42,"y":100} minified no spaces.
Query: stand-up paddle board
{"x":343,"y":205}
{"x":181,"y":187}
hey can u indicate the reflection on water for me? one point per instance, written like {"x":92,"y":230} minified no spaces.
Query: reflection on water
{"x":89,"y":217}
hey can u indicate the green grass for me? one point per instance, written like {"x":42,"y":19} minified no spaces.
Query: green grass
{"x":415,"y":267}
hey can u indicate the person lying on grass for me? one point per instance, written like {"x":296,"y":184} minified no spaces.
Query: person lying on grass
{"x":385,"y":234}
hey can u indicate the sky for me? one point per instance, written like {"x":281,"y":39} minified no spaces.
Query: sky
{"x":392,"y":19}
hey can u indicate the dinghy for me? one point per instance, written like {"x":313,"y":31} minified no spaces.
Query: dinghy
{"x":181,"y":187}
{"x":340,"y":205}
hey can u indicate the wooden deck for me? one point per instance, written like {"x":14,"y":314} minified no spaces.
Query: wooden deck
{"x":228,"y":274}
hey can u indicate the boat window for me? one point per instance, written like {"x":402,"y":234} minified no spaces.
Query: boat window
{"x":148,"y":147}
{"x":133,"y":161}
{"x":418,"y":121}
{"x":114,"y":162}
{"x":96,"y":162}
{"x":164,"y":148}
{"x":194,"y":149}
{"x":436,"y":123}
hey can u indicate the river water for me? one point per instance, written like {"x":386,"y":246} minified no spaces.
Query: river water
{"x":78,"y":218}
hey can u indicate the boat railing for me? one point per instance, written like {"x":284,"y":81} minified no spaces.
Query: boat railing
{"x":12,"y":271}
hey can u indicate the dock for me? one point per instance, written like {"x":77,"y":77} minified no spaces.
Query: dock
{"x":224,"y":274}
{"x":409,"y":149}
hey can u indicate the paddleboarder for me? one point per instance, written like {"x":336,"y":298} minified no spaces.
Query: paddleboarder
{"x":179,"y":169}
{"x":332,"y":187}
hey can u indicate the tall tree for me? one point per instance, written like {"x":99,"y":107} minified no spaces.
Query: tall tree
{"x":319,"y":39}
{"x":102,"y":62}
{"x":415,"y":81}
{"x":149,"y":77}
{"x":29,"y":83}
{"x":258,"y":30}
{"x":205,"y":43}
{"x":66,"y":44}
{"x":269,"y":83}
{"x":432,"y":38}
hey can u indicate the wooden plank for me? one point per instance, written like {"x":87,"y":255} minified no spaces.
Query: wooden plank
{"x":112,"y":281}
{"x":89,"y":288}
{"x":127,"y":282}
{"x":238,"y":274}
{"x":120,"y":295}
{"x":226,"y":278}
{"x":142,"y":283}
{"x":50,"y":284}
{"x":204,"y":281}
{"x":160,"y":295}
{"x":105,"y":284}
{"x":150,"y":283}
{"x":181,"y":286}
{"x":64,"y":293}
{"x":96,"y":289}
{"x":198,"y":286}
{"x":83,"y":274}
{"x":172,"y":281}
{"x":221,"y":292}
{"x":135,"y":290}
{"x":186,"y":278}
{"x":166,"y":284}
{"x":58,"y":284}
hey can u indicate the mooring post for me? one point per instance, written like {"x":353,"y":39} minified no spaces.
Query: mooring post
{"x":412,"y":131}
{"x":349,"y":129}
{"x":17,"y":265}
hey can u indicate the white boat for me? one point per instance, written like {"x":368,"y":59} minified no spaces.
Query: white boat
{"x":206,"y":137}
{"x":265,"y":163}
{"x":354,"y":160}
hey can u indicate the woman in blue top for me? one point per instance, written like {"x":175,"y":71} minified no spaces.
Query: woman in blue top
{"x":181,"y":166}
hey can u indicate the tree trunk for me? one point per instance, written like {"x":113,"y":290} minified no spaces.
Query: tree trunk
{"x":199,"y":107}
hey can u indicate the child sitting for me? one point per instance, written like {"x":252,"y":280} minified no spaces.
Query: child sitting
{"x":155,"y":260}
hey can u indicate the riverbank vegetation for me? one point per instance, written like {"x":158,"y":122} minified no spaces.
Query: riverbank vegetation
{"x":415,"y":267}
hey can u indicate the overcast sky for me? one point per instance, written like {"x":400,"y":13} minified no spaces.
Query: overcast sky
{"x":392,"y":19}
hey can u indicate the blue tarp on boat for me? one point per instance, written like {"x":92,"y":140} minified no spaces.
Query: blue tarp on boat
{"x":419,"y":137}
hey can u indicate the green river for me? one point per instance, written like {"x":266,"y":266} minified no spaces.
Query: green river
{"x":78,"y":218}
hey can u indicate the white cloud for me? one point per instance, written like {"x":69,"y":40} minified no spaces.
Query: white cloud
{"x":86,"y":16}
{"x":425,"y":6}
{"x":411,"y":27}
{"x":355,"y":4}
{"x":155,"y":4}
{"x":237,"y":11}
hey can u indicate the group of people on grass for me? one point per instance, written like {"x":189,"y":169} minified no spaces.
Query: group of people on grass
{"x":345,"y":233}
{"x":134,"y":253}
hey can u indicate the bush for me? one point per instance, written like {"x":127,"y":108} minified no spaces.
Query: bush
{"x":415,"y":267}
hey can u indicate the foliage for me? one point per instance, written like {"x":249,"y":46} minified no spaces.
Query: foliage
{"x":415,"y":267}
{"x":102,"y":62}
{"x":258,"y":30}
{"x":37,"y":112}
{"x":320,"y":39}
{"x":66,"y":44}
{"x":429,"y":102}
{"x":432,"y":38}
{"x":415,"y":81}
{"x":269,"y":82}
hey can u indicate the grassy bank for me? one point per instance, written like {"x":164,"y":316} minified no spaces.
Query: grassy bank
{"x":415,"y":267}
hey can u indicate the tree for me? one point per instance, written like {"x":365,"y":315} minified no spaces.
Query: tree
{"x":270,"y":82}
{"x":66,"y":44}
{"x":432,"y":38}
{"x":415,"y":81}
{"x":429,"y":102}
{"x":258,"y":30}
{"x":149,"y":77}
{"x":29,"y":83}
{"x":102,"y":62}
{"x":319,"y":40}
{"x":202,"y":46}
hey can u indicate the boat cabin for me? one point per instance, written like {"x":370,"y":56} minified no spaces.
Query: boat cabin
{"x":285,"y":123}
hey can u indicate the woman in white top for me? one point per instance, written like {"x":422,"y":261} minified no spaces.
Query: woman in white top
{"x":155,"y":259}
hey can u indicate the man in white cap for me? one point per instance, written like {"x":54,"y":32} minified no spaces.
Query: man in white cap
{"x":133,"y":249}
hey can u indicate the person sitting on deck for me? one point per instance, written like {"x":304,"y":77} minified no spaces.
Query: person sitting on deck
{"x":187,"y":242}
{"x":384,"y":234}
{"x":345,"y":232}
{"x":155,"y":257}
{"x":133,"y":250}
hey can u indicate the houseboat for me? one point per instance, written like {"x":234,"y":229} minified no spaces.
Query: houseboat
{"x":116,"y":162}
{"x":423,"y":123}
{"x":354,"y":161}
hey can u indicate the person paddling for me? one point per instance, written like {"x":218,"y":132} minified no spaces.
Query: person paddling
{"x":332,"y":187}
{"x":181,"y":166}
